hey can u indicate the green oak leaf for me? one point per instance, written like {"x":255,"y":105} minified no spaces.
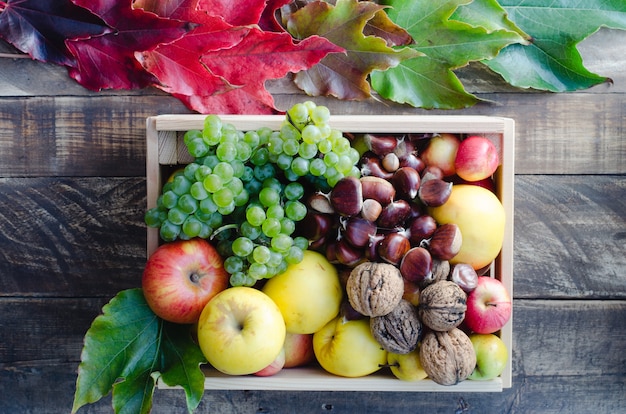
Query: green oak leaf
{"x":127,"y":348}
{"x":429,"y":81}
{"x":552,"y":62}
{"x":338,"y":74}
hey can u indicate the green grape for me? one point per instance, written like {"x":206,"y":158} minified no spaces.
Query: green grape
{"x":205,"y":231}
{"x":192,"y":226}
{"x":227,"y":209}
{"x":255,"y":215}
{"x":242,"y":198}
{"x":223,"y":197}
{"x":197,"y":191}
{"x":169,"y":199}
{"x":190,"y":171}
{"x":282,"y":243}
{"x":289,"y":132}
{"x":257,"y":271}
{"x":287,"y":226}
{"x":202,"y":216}
{"x":354,"y":155}
{"x":264,"y":133}
{"x":300,"y":166}
{"x":284,"y":161}
{"x":275,"y":211}
{"x":290,"y":175}
{"x":210,"y":161}
{"x":324,"y":146}
{"x":252,"y":138}
{"x":354,"y":172}
{"x":263,"y":172}
{"x":271,"y":227}
{"x":201,"y":172}
{"x":330,"y":159}
{"x":293,"y":191}
{"x":307,"y":150}
{"x":244,"y":151}
{"x":274,"y":183}
{"x":225,"y":171}
{"x":320,"y":115}
{"x":187,"y":203}
{"x":169,"y":231}
{"x":208,"y":206}
{"x":154,"y":217}
{"x":192,"y":134}
{"x":335,"y":134}
{"x":253,"y":186}
{"x":212,"y":183}
{"x":197,"y":148}
{"x":216,"y":220}
{"x":344,"y":164}
{"x":298,"y":113}
{"x":275,"y":145}
{"x":310,"y":105}
{"x":291,"y":146}
{"x":260,"y":156}
{"x":294,"y":255}
{"x":247,"y":174}
{"x":233,"y":264}
{"x":180,"y":185}
{"x":301,"y":241}
{"x":295,"y":210}
{"x":261,"y":254}
{"x":176,"y":216}
{"x":238,"y":279}
{"x":311,"y":134}
{"x":341,"y":146}
{"x":268,"y":196}
{"x":212,"y":130}
{"x":325,"y":130}
{"x":282,"y":267}
{"x":248,"y":230}
{"x":238,"y":168}
{"x":275,"y":259}
{"x":226,"y":151}
{"x":235,"y":185}
{"x":333,"y":180}
{"x":317,"y":167}
{"x":242,"y":246}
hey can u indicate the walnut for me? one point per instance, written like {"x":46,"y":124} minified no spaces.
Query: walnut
{"x":447,"y":357}
{"x":442,"y":305}
{"x":374,"y":289}
{"x":399,"y":330}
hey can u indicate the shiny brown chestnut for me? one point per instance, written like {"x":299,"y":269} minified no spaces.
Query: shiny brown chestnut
{"x":346,"y":196}
{"x":416,"y":265}
{"x":446,"y":241}
{"x":393,"y":248}
{"x":406,"y":180}
{"x":464,"y":275}
{"x":434,"y":192}
{"x":378,"y":189}
{"x":394,"y":214}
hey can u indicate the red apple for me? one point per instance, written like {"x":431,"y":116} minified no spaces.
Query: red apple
{"x":181,"y":277}
{"x":488,"y":306}
{"x":275,"y":367}
{"x":476,"y":159}
{"x":298,"y":349}
{"x":441,"y":152}
{"x":487,"y":183}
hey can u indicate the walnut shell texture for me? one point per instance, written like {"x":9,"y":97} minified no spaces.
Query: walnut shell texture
{"x":442,"y":305}
{"x":374,"y":289}
{"x":447,"y":357}
{"x":398,"y":331}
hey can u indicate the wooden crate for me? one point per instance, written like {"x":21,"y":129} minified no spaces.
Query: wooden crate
{"x":166,"y":151}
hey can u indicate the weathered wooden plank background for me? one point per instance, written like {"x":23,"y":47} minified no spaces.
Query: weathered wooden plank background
{"x":72,"y":197}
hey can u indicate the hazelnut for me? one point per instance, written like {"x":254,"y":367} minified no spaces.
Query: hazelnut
{"x":442,"y":305}
{"x":374,"y":289}
{"x":398,"y":331}
{"x":447,"y":357}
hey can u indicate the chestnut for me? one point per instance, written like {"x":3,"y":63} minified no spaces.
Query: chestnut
{"x":406,"y":180}
{"x":446,"y":241}
{"x":347,"y":254}
{"x":320,"y":202}
{"x":421,"y":228}
{"x":358,"y":231}
{"x":434,"y":192}
{"x":430,"y":172}
{"x":413,"y":161}
{"x":371,"y":165}
{"x":378,"y":189}
{"x":394,"y":214}
{"x":393,"y":248}
{"x":464,"y":275}
{"x":346,"y":197}
{"x":315,"y":226}
{"x":416,"y":265}
{"x":380,"y":145}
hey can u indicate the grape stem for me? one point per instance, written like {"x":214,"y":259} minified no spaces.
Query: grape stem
{"x":221,"y":229}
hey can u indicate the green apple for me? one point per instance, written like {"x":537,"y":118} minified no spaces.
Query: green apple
{"x":491,"y":356}
{"x":308,"y":294}
{"x":406,"y":367}
{"x":347,"y":348}
{"x":241,"y":331}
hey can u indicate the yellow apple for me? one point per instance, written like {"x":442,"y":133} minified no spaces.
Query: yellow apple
{"x":241,"y":331}
{"x":347,"y":348}
{"x":491,"y":356}
{"x":308,"y":294}
{"x":406,"y":367}
{"x":481,"y":219}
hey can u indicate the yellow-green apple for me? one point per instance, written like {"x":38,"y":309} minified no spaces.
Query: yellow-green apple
{"x":491,"y":356}
{"x":181,"y":277}
{"x":347,"y":348}
{"x":406,"y":367}
{"x":274,"y":367}
{"x":298,"y":349}
{"x":476,"y":158}
{"x":489,"y":306}
{"x":441,"y":152}
{"x":480,"y":216}
{"x":241,"y":331}
{"x":308,"y":293}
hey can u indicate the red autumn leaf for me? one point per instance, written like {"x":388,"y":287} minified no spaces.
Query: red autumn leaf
{"x":261,"y":56}
{"x":268,"y":20}
{"x":185,"y":10}
{"x":39,"y":27}
{"x":235,"y":12}
{"x":108,"y":61}
{"x":177,"y":65}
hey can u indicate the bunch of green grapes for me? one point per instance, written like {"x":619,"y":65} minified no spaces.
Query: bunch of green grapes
{"x":243,"y":189}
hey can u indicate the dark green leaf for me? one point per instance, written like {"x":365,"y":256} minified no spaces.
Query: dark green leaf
{"x":552,"y":61}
